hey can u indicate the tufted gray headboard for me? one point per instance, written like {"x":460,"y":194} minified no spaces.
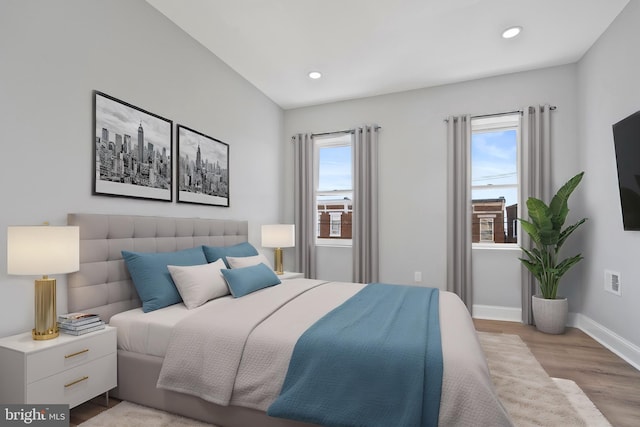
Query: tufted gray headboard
{"x":103,"y":285}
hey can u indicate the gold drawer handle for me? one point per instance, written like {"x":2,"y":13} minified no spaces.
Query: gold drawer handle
{"x":76,"y":353}
{"x":76,"y":381}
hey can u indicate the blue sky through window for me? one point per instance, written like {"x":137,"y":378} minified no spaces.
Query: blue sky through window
{"x":494,"y":162}
{"x":335,"y":168}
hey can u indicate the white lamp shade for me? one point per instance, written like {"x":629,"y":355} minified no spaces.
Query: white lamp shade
{"x":43,"y":250}
{"x":279,"y":236}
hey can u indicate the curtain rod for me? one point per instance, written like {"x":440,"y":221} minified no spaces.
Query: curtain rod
{"x":338,"y":132}
{"x":342,"y":131}
{"x":551,"y":107}
{"x":481,"y":116}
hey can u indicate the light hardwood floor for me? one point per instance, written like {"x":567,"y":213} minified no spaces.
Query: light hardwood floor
{"x":90,"y":409}
{"x":612,"y":384}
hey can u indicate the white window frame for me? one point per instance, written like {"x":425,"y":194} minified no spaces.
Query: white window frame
{"x":497,"y":123}
{"x":336,"y":140}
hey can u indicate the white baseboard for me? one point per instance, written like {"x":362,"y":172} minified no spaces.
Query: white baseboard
{"x":614,"y":342}
{"x":494,"y":312}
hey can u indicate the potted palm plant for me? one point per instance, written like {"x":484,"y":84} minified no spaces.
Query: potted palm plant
{"x":545,"y":227}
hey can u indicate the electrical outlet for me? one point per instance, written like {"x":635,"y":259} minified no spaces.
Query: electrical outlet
{"x":612,"y":282}
{"x":417,"y":276}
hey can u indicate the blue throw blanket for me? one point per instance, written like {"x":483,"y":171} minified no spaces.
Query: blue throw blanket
{"x":375,"y":360}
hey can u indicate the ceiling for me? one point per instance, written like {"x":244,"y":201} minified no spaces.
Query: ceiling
{"x":365,"y":48}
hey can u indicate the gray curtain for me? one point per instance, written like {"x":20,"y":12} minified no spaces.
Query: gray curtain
{"x":305,"y":205}
{"x":535,"y":172}
{"x":365,"y":205}
{"x":459,"y":278}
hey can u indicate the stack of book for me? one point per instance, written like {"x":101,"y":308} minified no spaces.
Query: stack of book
{"x":79,"y":323}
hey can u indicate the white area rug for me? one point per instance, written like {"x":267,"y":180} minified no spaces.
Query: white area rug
{"x":127,"y":414}
{"x":531,"y":397}
{"x":581,"y":403}
{"x":527,"y":392}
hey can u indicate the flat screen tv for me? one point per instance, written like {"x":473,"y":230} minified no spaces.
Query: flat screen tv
{"x":626,"y":138}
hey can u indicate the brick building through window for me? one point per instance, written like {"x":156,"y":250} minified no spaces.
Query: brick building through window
{"x":512,"y":224}
{"x":488,"y":224}
{"x":335,"y":219}
{"x":487,"y":221}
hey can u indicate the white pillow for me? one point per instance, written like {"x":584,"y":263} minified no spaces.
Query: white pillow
{"x":248,"y":261}
{"x":198,"y":284}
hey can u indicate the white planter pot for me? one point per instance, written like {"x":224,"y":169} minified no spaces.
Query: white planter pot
{"x":550,"y":315}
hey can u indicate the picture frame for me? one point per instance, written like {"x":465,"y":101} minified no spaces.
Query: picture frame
{"x":203,"y":168}
{"x":123,"y":134}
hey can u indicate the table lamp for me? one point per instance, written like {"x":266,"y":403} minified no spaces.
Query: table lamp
{"x":278,"y":236}
{"x":35,"y":250}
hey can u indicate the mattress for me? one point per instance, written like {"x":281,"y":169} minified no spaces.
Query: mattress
{"x":149,"y":333}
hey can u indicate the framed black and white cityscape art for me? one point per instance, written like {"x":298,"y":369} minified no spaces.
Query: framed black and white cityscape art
{"x":203,"y":168}
{"x":132,"y":151}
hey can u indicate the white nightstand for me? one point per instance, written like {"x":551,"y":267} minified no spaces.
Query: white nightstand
{"x":68,"y":370}
{"x":290,"y":275}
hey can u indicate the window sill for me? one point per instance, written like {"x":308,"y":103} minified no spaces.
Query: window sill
{"x":496,"y":246}
{"x":334,"y":243}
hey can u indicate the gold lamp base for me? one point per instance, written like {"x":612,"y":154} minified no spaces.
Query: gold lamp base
{"x":45,"y":310}
{"x":45,"y":335}
{"x":278,"y":264}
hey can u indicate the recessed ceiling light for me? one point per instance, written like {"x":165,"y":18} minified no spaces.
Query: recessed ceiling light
{"x":511,"y":32}
{"x":315,"y":75}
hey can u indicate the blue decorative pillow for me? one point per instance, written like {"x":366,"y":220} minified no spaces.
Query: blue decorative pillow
{"x":151,"y":276}
{"x":243,"y":281}
{"x":213,"y":253}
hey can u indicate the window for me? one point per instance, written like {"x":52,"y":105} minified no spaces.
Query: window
{"x":334,"y":189}
{"x":494,"y":178}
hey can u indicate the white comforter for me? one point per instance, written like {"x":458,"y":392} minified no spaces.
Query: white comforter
{"x":237,"y":351}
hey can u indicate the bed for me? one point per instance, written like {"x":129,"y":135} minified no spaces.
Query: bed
{"x":252,"y":367}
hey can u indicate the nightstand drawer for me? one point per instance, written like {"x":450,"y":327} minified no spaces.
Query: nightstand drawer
{"x":76,"y":385}
{"x":75,"y":352}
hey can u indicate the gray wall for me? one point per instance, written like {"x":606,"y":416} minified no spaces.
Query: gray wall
{"x":609,"y":90}
{"x":591,"y":95}
{"x":54,"y":54}
{"x":413,"y":169}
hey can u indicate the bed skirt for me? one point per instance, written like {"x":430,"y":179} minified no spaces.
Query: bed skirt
{"x":137,"y":378}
